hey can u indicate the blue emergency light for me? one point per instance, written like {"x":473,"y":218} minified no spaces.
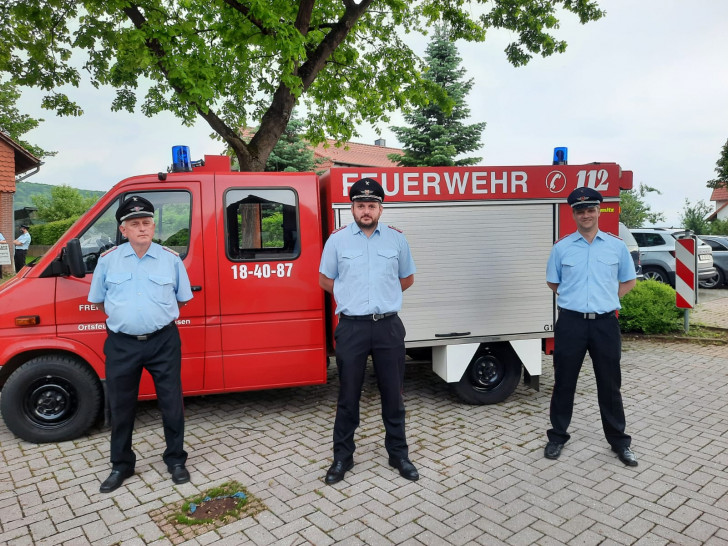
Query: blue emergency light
{"x":181,"y":159}
{"x":561,"y":156}
{"x":181,"y":162}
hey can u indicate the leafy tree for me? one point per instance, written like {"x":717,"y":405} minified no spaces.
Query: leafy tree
{"x":721,"y":168}
{"x":64,"y":202}
{"x":437,"y":134}
{"x":719,"y":227}
{"x":634,"y":212}
{"x":15,"y":124}
{"x":291,"y":153}
{"x":233,"y":62}
{"x":694,"y":217}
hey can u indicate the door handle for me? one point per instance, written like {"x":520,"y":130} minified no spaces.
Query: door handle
{"x":196,"y":288}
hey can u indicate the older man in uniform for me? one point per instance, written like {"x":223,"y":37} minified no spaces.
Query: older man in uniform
{"x":589,"y":270}
{"x":367,"y":266}
{"x":141,"y":285}
{"x":21,"y":247}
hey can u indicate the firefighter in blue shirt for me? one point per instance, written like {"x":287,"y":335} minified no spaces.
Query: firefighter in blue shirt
{"x":141,"y":285}
{"x":367,"y":266}
{"x":589,"y":270}
{"x":21,"y":248}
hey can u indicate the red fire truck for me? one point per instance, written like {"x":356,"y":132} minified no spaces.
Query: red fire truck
{"x":251,"y":242}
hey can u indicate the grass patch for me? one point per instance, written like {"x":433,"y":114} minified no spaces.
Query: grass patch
{"x":178,"y":525}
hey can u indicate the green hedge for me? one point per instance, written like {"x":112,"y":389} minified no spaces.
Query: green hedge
{"x":650,"y":308}
{"x":48,"y":234}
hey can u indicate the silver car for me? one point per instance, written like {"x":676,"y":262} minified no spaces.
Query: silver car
{"x":657,"y":254}
{"x":719,"y":244}
{"x":633,"y":248}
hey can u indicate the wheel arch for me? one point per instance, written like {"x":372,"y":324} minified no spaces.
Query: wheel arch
{"x":24,"y":353}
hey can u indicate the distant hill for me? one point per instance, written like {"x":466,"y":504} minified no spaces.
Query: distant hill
{"x":24,"y":191}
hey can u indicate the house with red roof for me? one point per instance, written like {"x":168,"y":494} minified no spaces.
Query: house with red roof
{"x":14,"y":160}
{"x":354,"y":154}
{"x":720,"y":196}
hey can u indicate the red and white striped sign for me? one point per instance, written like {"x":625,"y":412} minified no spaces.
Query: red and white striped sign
{"x":686,"y":279}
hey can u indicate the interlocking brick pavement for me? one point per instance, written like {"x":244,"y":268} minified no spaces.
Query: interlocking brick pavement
{"x":483,"y":476}
{"x":712,"y":309}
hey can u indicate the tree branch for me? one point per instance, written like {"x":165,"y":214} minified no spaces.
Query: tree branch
{"x":245,"y":12}
{"x":217,"y":124}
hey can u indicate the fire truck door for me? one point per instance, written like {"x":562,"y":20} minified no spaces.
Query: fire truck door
{"x":269,"y":246}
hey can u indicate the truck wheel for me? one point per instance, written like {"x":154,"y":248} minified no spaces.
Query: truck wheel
{"x":51,"y":399}
{"x":656,"y":274}
{"x":491,"y":377}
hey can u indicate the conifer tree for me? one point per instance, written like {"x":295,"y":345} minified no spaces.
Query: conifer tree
{"x":437,"y":135}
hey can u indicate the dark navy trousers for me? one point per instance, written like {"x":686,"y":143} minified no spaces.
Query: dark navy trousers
{"x":384,"y":341}
{"x":574,"y":336}
{"x":126,"y":357}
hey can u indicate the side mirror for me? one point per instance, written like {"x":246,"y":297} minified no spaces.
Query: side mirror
{"x":72,"y":259}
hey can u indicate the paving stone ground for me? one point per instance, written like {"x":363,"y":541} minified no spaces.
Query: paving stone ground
{"x":483,"y":476}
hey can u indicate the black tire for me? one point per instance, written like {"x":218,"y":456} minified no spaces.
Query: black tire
{"x":716,"y":281}
{"x":51,"y":399}
{"x":656,"y":273}
{"x":491,"y":377}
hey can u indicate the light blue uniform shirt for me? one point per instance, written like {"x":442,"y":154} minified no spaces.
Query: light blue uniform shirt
{"x":588,"y":275}
{"x":24,"y":241}
{"x":140,"y":295}
{"x":366,"y":270}
{"x":2,"y":239}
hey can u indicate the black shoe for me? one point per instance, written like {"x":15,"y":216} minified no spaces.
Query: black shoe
{"x":406,"y":469}
{"x":115,"y":479}
{"x":179,"y":474}
{"x":553,"y":450}
{"x":626,"y":455}
{"x":338,"y":470}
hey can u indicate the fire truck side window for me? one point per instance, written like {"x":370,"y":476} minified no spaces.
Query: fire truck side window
{"x":261,"y":224}
{"x":172,"y":214}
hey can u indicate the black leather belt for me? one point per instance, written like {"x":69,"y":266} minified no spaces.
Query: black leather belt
{"x":587,"y":316}
{"x":144,"y":337}
{"x":373,"y":316}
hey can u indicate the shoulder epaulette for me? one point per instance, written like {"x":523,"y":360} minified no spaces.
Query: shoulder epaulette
{"x":613,"y":235}
{"x":395,"y":229}
{"x":339,"y":229}
{"x":110,"y":250}
{"x":170,"y":250}
{"x":561,"y":238}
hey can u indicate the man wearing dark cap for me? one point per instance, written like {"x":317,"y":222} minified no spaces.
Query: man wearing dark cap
{"x":589,"y":270}
{"x":367,"y":266}
{"x":21,"y":247}
{"x":141,"y":285}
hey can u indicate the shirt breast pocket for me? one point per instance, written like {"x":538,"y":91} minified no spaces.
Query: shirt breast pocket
{"x":352,"y":262}
{"x":161,"y":289}
{"x":610,"y":265}
{"x":569,"y":266}
{"x":387,"y":261}
{"x":117,"y":280}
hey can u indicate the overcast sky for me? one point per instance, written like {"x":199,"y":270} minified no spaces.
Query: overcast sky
{"x":645,"y":87}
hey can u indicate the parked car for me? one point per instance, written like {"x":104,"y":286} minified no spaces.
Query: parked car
{"x":657,"y":254}
{"x":633,"y":248}
{"x":719,"y":244}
